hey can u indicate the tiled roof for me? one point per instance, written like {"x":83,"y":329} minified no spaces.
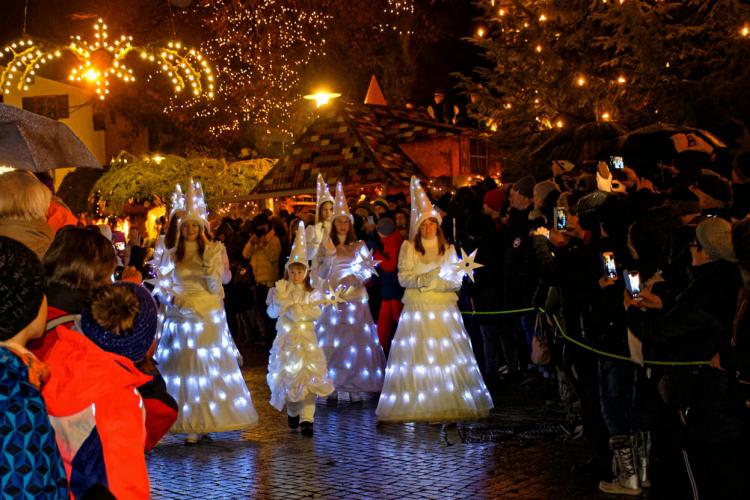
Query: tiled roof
{"x":357,"y":144}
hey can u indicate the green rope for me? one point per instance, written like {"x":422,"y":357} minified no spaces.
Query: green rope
{"x":586,"y":346}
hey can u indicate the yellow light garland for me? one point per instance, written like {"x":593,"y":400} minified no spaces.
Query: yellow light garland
{"x":101,"y":60}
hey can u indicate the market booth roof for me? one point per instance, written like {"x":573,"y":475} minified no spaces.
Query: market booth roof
{"x":357,"y":144}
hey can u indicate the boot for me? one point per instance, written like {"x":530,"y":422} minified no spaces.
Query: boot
{"x":292,"y":422}
{"x":626,"y":482}
{"x":643,"y":454}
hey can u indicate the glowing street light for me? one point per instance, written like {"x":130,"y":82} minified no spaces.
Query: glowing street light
{"x":322,"y":98}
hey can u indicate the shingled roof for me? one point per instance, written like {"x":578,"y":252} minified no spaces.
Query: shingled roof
{"x":357,"y":144}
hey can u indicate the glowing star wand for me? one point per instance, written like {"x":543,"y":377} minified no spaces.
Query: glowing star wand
{"x":466,"y":265}
{"x":365,"y":264}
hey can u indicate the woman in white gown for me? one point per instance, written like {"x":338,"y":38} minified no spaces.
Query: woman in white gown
{"x":315,"y":233}
{"x":196,"y":354}
{"x":432,"y":374}
{"x":346,"y":331}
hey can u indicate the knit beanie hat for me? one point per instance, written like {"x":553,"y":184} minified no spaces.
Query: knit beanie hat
{"x":122,"y":320}
{"x":714,"y":185}
{"x":494,"y":199}
{"x":386,"y":226}
{"x":715,"y":236}
{"x":21,"y":287}
{"x":525,"y":186}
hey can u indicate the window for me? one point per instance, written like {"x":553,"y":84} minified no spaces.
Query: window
{"x":51,"y":106}
{"x":478,"y":158}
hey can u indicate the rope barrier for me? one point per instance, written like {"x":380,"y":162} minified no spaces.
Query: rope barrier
{"x":582,"y":344}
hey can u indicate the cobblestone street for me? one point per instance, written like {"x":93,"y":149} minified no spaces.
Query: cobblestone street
{"x":349,"y":457}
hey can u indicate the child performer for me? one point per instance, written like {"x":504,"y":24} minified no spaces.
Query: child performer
{"x":297,"y":368}
{"x":316,"y":233}
{"x":346,"y":332}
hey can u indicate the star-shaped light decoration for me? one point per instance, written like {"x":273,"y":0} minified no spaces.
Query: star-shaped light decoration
{"x":365,"y":264}
{"x":333,"y":296}
{"x":101,"y":59}
{"x":467,"y":265}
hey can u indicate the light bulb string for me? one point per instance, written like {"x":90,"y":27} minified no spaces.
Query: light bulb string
{"x":580,"y":344}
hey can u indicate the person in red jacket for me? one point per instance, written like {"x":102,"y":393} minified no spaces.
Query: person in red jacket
{"x":97,"y":413}
{"x":391,"y":291}
{"x":122,"y":319}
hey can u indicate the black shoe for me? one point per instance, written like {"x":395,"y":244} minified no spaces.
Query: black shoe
{"x":293,"y":422}
{"x":306,"y":428}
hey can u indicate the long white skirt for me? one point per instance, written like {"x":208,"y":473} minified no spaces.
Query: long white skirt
{"x":349,"y":339}
{"x":432,"y":374}
{"x":297,"y":367}
{"x":200,"y":365}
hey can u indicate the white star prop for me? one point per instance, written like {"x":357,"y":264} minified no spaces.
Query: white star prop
{"x":334,"y":297}
{"x":467,"y":265}
{"x":366,"y":263}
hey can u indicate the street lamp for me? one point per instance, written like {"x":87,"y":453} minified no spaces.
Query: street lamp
{"x":322,"y":97}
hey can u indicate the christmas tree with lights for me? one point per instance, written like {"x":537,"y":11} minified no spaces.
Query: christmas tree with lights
{"x":553,"y":64}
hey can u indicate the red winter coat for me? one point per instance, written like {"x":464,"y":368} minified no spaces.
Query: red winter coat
{"x":97,"y":414}
{"x":388,"y":268}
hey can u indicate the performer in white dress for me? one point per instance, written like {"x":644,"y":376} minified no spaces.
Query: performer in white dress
{"x":346,"y":331}
{"x":196,"y":354}
{"x":297,"y":368}
{"x":323,"y":215}
{"x":432,"y":374}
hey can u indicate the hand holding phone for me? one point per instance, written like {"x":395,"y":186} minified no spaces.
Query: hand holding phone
{"x":632,"y":283}
{"x":560,"y":218}
{"x":609,"y":265}
{"x":616,"y":163}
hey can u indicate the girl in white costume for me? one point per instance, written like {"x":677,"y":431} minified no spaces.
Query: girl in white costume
{"x":315,"y":233}
{"x":346,"y":331}
{"x":432,"y":374}
{"x":196,"y":354}
{"x":297,"y":368}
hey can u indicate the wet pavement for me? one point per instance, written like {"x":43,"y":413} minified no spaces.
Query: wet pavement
{"x":519,"y":453}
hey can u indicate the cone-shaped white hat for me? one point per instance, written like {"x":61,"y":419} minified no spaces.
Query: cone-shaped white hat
{"x":341,"y":207}
{"x":299,"y":248}
{"x":421,"y":208}
{"x":195,"y":204}
{"x":324,"y":194}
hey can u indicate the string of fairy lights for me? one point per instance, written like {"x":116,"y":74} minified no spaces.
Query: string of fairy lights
{"x":99,"y":60}
{"x":516,"y":25}
{"x":259,"y":54}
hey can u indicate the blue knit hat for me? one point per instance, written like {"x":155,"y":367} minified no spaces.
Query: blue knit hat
{"x":132,"y":343}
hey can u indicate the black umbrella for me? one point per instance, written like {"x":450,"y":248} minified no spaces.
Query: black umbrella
{"x":32,"y":142}
{"x":590,"y":141}
{"x":665,"y":141}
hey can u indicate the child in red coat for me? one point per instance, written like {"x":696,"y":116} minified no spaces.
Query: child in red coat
{"x":391,"y":291}
{"x":122,"y":320}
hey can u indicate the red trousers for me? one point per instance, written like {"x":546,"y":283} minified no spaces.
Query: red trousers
{"x":390,"y":310}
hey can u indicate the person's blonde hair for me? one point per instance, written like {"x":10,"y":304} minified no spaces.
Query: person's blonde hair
{"x":23,"y":196}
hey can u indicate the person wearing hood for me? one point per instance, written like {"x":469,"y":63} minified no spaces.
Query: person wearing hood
{"x":31,"y":463}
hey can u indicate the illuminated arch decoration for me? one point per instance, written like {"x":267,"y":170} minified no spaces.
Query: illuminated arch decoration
{"x":101,"y":60}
